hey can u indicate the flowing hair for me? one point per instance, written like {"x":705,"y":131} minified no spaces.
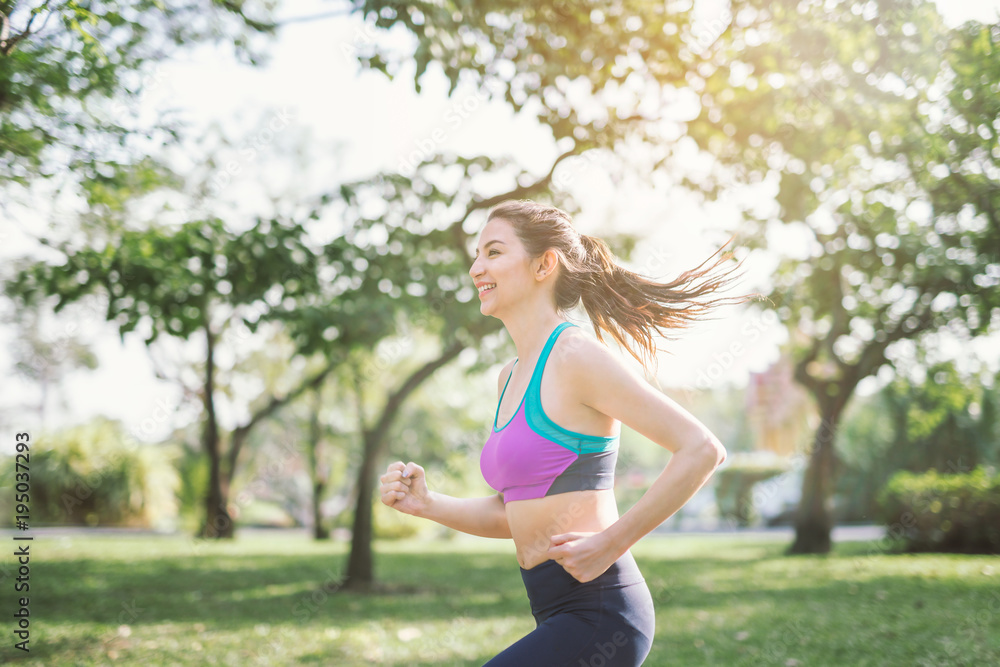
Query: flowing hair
{"x":620,"y":302}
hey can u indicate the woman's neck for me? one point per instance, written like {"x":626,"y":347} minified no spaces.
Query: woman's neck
{"x":530,"y":333}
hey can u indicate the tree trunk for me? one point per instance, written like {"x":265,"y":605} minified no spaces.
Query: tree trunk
{"x":360,"y":564}
{"x":240,"y":435}
{"x":320,"y":531}
{"x":360,"y":568}
{"x":317,"y":472}
{"x":814,"y":516}
{"x":218,"y":523}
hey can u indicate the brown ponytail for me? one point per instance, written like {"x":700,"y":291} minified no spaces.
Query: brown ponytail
{"x":621,"y":302}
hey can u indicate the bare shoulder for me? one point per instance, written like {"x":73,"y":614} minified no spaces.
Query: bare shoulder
{"x":600,"y":379}
{"x":577,"y":347}
{"x":502,"y":378}
{"x":583,"y":359}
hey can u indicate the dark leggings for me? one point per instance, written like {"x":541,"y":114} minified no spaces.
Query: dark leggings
{"x":607,"y":622}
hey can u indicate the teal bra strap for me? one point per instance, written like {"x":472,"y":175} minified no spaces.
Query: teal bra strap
{"x":542,"y":424}
{"x":502,"y":394}
{"x":535,"y":385}
{"x":533,"y":392}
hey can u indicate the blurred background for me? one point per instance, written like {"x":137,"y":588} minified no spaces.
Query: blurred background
{"x":235,"y":239}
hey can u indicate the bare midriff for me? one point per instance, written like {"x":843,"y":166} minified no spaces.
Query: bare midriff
{"x":533,"y":522}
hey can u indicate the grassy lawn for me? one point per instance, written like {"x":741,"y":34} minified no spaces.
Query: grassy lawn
{"x":720,"y":601}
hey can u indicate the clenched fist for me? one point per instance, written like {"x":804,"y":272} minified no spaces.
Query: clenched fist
{"x":404,"y":488}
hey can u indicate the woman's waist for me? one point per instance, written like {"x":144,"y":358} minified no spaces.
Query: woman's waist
{"x":534,"y":522}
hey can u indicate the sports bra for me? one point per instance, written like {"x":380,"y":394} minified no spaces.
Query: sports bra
{"x":531,"y":456}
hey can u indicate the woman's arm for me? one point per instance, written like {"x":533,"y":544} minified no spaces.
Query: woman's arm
{"x":696,"y":452}
{"x":687,"y":471}
{"x":477,"y":516}
{"x":601,"y":381}
{"x":404,"y":488}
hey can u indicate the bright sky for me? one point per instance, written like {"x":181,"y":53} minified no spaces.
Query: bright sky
{"x":358,"y":123}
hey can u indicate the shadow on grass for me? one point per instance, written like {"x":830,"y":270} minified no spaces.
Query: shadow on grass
{"x":229,"y":591}
{"x":267,"y":589}
{"x":743,"y":601}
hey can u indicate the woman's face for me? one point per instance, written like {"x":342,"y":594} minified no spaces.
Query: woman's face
{"x":502,"y":268}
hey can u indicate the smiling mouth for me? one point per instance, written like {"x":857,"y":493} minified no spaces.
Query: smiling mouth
{"x":487,"y":288}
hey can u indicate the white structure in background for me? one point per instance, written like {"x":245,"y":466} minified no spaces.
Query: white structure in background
{"x":782,"y":417}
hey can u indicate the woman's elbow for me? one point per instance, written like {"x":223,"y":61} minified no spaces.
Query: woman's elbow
{"x":714,"y":450}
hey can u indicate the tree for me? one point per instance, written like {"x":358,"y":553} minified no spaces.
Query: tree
{"x":71,"y":75}
{"x":594,"y":74}
{"x":942,"y":419}
{"x":198,"y":279}
{"x":319,"y":473}
{"x":872,"y":118}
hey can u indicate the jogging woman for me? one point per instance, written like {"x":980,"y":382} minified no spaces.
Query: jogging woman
{"x":552,"y":450}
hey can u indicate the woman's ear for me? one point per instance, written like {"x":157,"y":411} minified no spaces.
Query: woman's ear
{"x":547,"y":264}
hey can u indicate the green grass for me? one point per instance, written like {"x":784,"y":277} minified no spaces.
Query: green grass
{"x":720,"y":601}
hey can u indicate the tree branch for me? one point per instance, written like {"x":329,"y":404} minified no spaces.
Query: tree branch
{"x":187,"y":391}
{"x":237,"y":8}
{"x":4,"y":32}
{"x":8,"y":43}
{"x":801,"y":373}
{"x":840,"y":324}
{"x":240,"y":433}
{"x":397,"y":398}
{"x":314,"y":17}
{"x":873,"y":355}
{"x":520,"y":192}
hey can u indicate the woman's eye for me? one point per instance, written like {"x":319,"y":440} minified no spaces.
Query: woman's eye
{"x":491,"y":252}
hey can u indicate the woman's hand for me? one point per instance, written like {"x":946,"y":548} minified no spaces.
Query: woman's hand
{"x":585,"y":556}
{"x":404,"y":488}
